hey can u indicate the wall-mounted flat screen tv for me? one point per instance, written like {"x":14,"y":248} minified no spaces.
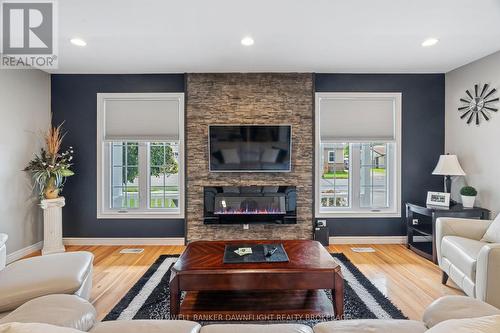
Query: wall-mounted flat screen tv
{"x":250,"y":148}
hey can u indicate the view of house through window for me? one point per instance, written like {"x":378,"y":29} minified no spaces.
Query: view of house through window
{"x":373,"y":187}
{"x":334,"y":181}
{"x":357,"y":178}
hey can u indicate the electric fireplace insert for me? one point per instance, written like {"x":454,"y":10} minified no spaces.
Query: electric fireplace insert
{"x":250,"y":205}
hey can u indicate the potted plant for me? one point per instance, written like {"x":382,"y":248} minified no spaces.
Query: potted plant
{"x":468,"y":194}
{"x":50,"y":168}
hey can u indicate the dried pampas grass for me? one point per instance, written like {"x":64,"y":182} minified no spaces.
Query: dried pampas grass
{"x":53,"y":139}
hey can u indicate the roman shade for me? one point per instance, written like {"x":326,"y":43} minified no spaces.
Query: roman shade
{"x":358,"y":118}
{"x":141,"y":119}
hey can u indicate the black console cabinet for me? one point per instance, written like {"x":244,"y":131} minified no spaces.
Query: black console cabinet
{"x":422,"y":236}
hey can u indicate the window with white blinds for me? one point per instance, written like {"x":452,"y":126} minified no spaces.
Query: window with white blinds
{"x":364,"y":132}
{"x":140,"y":144}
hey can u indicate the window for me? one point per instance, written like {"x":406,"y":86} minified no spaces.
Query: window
{"x":334,"y":178}
{"x":163,"y":175}
{"x":124,"y":175}
{"x":362,"y":132}
{"x":331,"y":156}
{"x":140,"y":156}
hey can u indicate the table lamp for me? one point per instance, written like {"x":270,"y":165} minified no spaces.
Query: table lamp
{"x":448,"y":166}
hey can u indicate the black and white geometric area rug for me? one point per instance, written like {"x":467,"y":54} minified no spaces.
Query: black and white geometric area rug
{"x":149,"y":297}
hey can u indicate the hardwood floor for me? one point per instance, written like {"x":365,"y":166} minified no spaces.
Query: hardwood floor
{"x":410,"y":281}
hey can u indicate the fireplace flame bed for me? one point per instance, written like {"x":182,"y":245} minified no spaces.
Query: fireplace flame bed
{"x":250,"y":204}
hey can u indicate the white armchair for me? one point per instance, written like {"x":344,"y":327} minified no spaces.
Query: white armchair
{"x":3,"y":250}
{"x":468,"y":259}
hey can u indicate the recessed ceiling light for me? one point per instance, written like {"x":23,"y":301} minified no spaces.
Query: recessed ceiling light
{"x":247,"y":41}
{"x":78,"y":42}
{"x":430,"y":42}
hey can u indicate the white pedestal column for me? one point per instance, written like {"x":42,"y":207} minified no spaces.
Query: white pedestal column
{"x":52,"y":225}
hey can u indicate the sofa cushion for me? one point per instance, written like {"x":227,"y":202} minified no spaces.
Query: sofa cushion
{"x":489,"y":324}
{"x":146,"y":326}
{"x":456,"y":307}
{"x":60,"y":310}
{"x":492,"y":234}
{"x":463,"y":253}
{"x":34,"y":328}
{"x":252,"y":328}
{"x":371,"y":325}
{"x":61,"y":273}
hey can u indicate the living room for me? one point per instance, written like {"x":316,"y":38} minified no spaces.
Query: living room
{"x":203,"y":171}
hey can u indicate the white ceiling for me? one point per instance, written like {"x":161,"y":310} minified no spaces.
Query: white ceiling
{"x":349,"y":36}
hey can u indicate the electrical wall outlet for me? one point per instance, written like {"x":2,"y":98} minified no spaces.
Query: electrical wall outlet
{"x":246,"y":226}
{"x":415,"y":221}
{"x":321,"y":223}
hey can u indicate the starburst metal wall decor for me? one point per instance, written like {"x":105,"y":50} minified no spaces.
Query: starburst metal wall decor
{"x":478,"y":106}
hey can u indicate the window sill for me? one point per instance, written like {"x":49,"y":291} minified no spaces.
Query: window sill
{"x":141,"y":215}
{"x":358,"y":214}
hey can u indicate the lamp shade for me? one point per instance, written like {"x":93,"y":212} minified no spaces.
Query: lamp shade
{"x":448,"y":166}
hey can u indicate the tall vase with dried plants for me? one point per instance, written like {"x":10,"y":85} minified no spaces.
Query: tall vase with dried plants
{"x":50,"y":167}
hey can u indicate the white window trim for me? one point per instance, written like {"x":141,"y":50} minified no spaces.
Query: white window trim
{"x":102,"y":211}
{"x":396,"y":187}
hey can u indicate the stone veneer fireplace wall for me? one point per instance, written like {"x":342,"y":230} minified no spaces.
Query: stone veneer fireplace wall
{"x":260,"y":99}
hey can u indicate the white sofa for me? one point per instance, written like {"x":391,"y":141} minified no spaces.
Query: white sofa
{"x":27,"y":279}
{"x":446,"y":315}
{"x":469,"y":253}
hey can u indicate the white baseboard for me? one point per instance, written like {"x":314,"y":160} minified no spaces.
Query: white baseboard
{"x":24,"y":252}
{"x":368,"y":240}
{"x":123,"y":241}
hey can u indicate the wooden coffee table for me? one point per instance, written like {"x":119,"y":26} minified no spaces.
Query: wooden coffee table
{"x":219,"y":290}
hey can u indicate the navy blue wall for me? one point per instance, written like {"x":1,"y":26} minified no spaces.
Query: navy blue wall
{"x":422,"y":142}
{"x":74,"y":102}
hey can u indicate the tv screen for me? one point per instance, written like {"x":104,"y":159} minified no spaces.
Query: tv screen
{"x":250,"y":148}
